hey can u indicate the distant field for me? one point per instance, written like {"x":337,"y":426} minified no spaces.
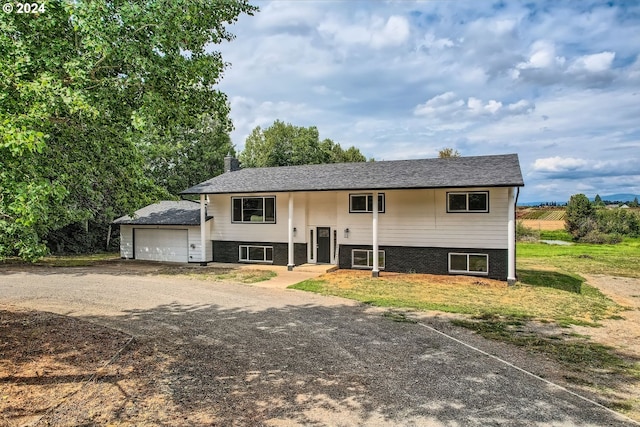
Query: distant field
{"x":547,"y":225}
{"x":542,"y":214}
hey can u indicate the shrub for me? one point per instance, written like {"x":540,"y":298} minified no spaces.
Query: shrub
{"x":524,"y":233}
{"x":620,"y":221}
{"x":598,"y":237}
{"x":594,"y":236}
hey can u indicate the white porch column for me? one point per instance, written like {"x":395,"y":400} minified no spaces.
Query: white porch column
{"x":203,"y":234}
{"x":376,"y":267}
{"x":290,"y":263}
{"x":511,"y":238}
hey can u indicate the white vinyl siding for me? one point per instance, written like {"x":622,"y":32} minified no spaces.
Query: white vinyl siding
{"x":469,"y":263}
{"x":224,"y":229}
{"x":416,"y":218}
{"x":419,"y":218}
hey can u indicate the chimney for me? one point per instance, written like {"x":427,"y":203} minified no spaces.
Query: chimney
{"x":231,"y":163}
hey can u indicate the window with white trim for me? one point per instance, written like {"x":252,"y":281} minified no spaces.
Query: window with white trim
{"x":473,"y":201}
{"x":250,"y":253}
{"x":468,"y":263}
{"x":363,"y":203}
{"x":253,"y":210}
{"x":363,"y":258}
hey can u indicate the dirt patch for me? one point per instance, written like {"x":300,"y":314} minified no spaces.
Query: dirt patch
{"x":57,"y":370}
{"x":622,"y":332}
{"x":347,"y":277}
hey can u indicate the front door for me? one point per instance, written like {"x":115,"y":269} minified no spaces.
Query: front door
{"x":324,"y":245}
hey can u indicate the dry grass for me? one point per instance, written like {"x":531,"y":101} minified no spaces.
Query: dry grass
{"x":468,"y":295}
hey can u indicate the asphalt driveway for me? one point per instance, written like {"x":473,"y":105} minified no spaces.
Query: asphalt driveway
{"x":283,"y":357}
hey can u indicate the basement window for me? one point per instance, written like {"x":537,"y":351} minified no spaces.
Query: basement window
{"x":249,"y":253}
{"x":363,"y":258}
{"x":468,"y":263}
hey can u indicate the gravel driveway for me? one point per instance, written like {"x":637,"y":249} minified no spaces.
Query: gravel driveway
{"x":253,"y":356}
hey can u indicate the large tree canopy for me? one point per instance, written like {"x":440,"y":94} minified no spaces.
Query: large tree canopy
{"x":287,"y":145}
{"x":102,"y":101}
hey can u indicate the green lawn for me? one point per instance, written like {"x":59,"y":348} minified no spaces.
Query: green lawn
{"x":622,"y":259}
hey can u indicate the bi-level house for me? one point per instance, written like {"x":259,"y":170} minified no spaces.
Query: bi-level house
{"x":440,"y":216}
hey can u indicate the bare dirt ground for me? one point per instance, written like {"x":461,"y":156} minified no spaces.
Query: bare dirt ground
{"x":620,"y":333}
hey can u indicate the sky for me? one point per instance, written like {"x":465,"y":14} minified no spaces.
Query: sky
{"x":556,"y":82}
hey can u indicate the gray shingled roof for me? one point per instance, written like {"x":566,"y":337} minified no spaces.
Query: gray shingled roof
{"x":183,"y":212}
{"x":480,"y":171}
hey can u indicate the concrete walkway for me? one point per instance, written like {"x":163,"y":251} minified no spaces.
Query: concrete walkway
{"x":284,"y":278}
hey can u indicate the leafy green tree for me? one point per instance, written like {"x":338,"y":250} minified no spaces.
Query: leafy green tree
{"x":446,"y":153}
{"x":287,"y":145}
{"x":97,"y":99}
{"x":580,"y":217}
{"x":597,"y":201}
{"x":635,"y":203}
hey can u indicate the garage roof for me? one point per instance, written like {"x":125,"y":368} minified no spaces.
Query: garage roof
{"x":183,"y":212}
{"x":478,"y":171}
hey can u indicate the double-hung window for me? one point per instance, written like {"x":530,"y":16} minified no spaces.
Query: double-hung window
{"x":468,"y":263}
{"x":362,"y":203}
{"x":473,"y":201}
{"x":254,"y":210}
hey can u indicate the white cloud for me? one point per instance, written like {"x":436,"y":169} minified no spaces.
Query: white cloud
{"x":448,"y":105}
{"x":430,"y":41}
{"x":375,"y":32}
{"x":595,"y":63}
{"x":440,"y":104}
{"x":543,"y":55}
{"x":394,"y":33}
{"x":558,"y":164}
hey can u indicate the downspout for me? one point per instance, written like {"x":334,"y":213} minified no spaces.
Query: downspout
{"x":511,"y":236}
{"x":290,"y":262}
{"x":203,"y":234}
{"x":376,"y":267}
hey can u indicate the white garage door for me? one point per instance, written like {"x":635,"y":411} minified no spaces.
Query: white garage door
{"x":161,"y":245}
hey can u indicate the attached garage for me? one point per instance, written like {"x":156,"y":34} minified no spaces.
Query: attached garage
{"x":166,"y":231}
{"x":161,"y":244}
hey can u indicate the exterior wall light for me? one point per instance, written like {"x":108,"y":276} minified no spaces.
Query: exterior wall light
{"x":346,"y":233}
{"x":295,"y":231}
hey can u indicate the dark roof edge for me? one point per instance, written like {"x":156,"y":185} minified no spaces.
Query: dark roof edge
{"x":173,"y":224}
{"x":360,"y":189}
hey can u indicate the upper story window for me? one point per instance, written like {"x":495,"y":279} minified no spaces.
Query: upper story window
{"x":360,"y":203}
{"x":473,"y":201}
{"x":254,"y":210}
